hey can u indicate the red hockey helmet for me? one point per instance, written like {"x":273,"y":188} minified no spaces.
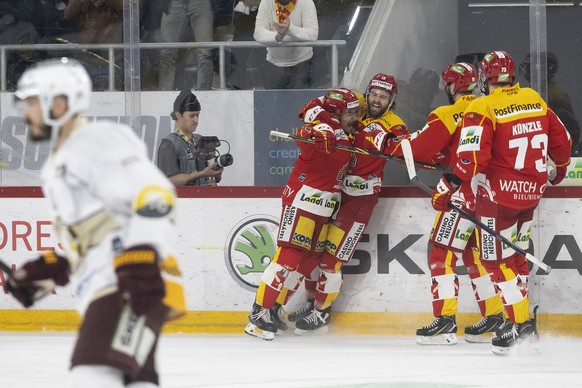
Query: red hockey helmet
{"x":340,"y":99}
{"x":462,"y":75}
{"x":497,"y":67}
{"x":385,"y":82}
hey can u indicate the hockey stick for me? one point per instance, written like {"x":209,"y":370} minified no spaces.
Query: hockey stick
{"x":358,"y":150}
{"x":5,"y":267}
{"x":409,"y":159}
{"x":36,"y":290}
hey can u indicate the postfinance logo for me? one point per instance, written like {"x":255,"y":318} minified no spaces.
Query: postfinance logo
{"x":250,"y":247}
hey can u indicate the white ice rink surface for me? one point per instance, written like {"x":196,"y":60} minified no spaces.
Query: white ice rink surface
{"x":40,"y":360}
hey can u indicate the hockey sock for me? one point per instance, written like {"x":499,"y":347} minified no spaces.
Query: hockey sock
{"x":291,"y":286}
{"x":271,"y":284}
{"x":311,"y":284}
{"x":328,"y":287}
{"x":445,"y":289}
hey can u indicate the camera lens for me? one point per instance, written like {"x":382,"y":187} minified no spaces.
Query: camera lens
{"x":224,"y":160}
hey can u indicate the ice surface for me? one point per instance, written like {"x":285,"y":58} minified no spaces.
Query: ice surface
{"x":40,"y":360}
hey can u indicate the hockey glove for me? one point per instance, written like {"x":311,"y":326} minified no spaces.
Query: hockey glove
{"x":559,"y":175}
{"x":443,"y":192}
{"x":36,"y":278}
{"x":313,"y":113}
{"x":324,"y":140}
{"x":439,"y":158}
{"x":139,"y":278}
{"x":242,"y":8}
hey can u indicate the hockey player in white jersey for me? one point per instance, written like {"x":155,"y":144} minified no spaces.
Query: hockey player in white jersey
{"x":112,"y":212}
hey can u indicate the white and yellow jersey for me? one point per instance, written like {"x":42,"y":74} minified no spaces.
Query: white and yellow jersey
{"x":105,"y":196}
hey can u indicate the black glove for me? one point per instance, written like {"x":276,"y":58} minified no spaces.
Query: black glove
{"x":139,"y":278}
{"x":36,"y":278}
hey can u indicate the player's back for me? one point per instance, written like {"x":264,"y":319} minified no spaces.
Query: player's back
{"x":100,"y":164}
{"x":511,"y":125}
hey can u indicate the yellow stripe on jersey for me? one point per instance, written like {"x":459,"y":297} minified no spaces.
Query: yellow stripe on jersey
{"x":143,"y":256}
{"x":174,"y":299}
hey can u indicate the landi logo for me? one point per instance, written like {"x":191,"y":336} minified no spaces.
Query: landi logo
{"x":250,"y":247}
{"x":575,"y":170}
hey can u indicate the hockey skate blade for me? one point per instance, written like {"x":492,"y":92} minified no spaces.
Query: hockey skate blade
{"x":440,"y":339}
{"x":478,"y":339}
{"x":502,"y":351}
{"x":527,"y":347}
{"x":254,"y":331}
{"x":280,"y":332}
{"x":320,"y":331}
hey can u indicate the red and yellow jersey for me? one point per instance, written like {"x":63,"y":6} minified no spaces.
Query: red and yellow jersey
{"x":365,"y":172}
{"x":370,"y":136}
{"x":317,"y":176}
{"x":507,"y":136}
{"x":440,"y":133}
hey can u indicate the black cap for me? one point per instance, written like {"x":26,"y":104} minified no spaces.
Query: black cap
{"x":186,"y":102}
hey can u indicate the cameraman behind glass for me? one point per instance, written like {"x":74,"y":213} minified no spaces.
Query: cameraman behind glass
{"x":179,"y":156}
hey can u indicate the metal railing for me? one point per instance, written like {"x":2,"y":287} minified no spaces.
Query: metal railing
{"x":221,"y":45}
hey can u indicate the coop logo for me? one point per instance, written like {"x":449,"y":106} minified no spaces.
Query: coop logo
{"x":249,"y":248}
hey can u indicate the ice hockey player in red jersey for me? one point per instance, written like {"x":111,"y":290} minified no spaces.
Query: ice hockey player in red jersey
{"x":310,"y":198}
{"x":360,"y":190}
{"x":452,"y":236}
{"x":506,"y":139}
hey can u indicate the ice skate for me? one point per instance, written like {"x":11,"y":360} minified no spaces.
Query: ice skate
{"x":500,"y":329}
{"x":489,"y":324}
{"x":260,"y":323}
{"x":302,"y":312}
{"x":277,"y":315}
{"x":442,"y":331}
{"x":517,"y":334}
{"x":316,"y":322}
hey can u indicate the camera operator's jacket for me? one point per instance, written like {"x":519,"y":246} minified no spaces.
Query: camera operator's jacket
{"x":178,"y":155}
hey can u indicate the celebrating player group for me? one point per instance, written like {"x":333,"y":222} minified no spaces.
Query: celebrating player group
{"x":113,"y":212}
{"x":501,"y":149}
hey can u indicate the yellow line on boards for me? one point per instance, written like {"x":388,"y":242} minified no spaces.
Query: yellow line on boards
{"x":229,"y":322}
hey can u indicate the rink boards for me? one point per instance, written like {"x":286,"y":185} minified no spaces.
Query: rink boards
{"x":227,"y":237}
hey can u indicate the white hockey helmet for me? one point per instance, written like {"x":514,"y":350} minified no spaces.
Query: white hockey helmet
{"x":57,"y":77}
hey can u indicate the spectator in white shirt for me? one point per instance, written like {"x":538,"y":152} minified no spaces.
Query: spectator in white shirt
{"x":287,"y":21}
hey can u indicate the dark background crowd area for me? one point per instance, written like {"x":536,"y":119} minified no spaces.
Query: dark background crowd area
{"x":65,"y":22}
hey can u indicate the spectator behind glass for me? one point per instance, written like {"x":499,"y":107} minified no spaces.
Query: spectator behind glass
{"x":287,"y":21}
{"x":178,"y":156}
{"x":151,"y":12}
{"x":247,"y":60}
{"x":416,"y":97}
{"x":334,"y":17}
{"x":558,"y":98}
{"x":96,"y":21}
{"x":16,"y":27}
{"x":180,"y":21}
